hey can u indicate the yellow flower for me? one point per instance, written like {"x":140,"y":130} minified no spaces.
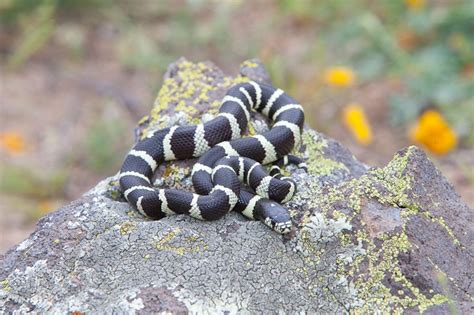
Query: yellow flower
{"x":434,"y":133}
{"x":339,"y":76}
{"x":415,"y":4}
{"x":12,"y":142}
{"x":355,"y":119}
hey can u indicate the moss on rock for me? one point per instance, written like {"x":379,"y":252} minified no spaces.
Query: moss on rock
{"x":374,"y":269}
{"x":190,"y":91}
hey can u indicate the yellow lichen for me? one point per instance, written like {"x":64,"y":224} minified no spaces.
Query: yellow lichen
{"x":5,"y":285}
{"x":249,"y":64}
{"x":369,"y":271}
{"x":380,"y":258}
{"x":318,"y":164}
{"x":132,"y":214}
{"x":443,"y":280}
{"x":127,"y":227}
{"x":192,"y":85}
{"x":193,"y":238}
{"x":143,"y":120}
{"x":442,"y":223}
{"x":383,"y":259}
{"x":163,"y":243}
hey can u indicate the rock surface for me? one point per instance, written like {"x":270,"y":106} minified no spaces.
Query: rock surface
{"x":365,"y":239}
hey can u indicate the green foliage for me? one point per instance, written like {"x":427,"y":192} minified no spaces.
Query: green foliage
{"x":22,"y":181}
{"x":326,"y":12}
{"x":138,"y":51}
{"x":431,"y":66}
{"x":434,"y":65}
{"x":35,"y":33}
{"x":434,"y":74}
{"x":36,"y":20}
{"x":102,"y":143}
{"x":11,"y":11}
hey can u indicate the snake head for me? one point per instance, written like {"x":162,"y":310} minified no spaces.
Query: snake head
{"x":274,"y":215}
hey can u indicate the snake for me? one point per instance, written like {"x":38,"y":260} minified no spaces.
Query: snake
{"x":229,"y":173}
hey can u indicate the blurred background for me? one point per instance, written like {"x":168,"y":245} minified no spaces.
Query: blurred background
{"x":77,"y":75}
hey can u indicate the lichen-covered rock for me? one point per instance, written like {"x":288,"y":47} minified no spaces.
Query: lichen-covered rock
{"x":366,"y":239}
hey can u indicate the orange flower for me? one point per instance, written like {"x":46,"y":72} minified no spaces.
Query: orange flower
{"x":415,"y":4}
{"x":355,"y":119}
{"x":45,"y":206}
{"x":339,"y":76}
{"x":407,"y":39}
{"x":12,"y":142}
{"x":434,"y":133}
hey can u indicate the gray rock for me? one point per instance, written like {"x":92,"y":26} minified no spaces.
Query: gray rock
{"x":365,"y":239}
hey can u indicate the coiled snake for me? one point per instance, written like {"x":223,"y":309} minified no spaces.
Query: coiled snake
{"x":225,"y":161}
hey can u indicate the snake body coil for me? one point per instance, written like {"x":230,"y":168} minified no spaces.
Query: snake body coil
{"x":225,"y":161}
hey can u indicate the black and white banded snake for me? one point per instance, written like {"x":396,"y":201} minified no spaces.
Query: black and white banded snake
{"x":226,"y":161}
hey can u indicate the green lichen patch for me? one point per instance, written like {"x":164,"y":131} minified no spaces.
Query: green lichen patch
{"x":185,"y":245}
{"x":143,"y":120}
{"x":342,"y":260}
{"x":320,"y":247}
{"x":189,"y":89}
{"x":113,"y":190}
{"x":249,"y":64}
{"x":127,"y":227}
{"x":443,"y":224}
{"x":381,"y":263}
{"x":368,"y":263}
{"x":5,"y":285}
{"x":318,"y":163}
{"x":174,"y":175}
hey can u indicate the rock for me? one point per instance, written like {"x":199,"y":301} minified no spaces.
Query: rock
{"x":389,"y":239}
